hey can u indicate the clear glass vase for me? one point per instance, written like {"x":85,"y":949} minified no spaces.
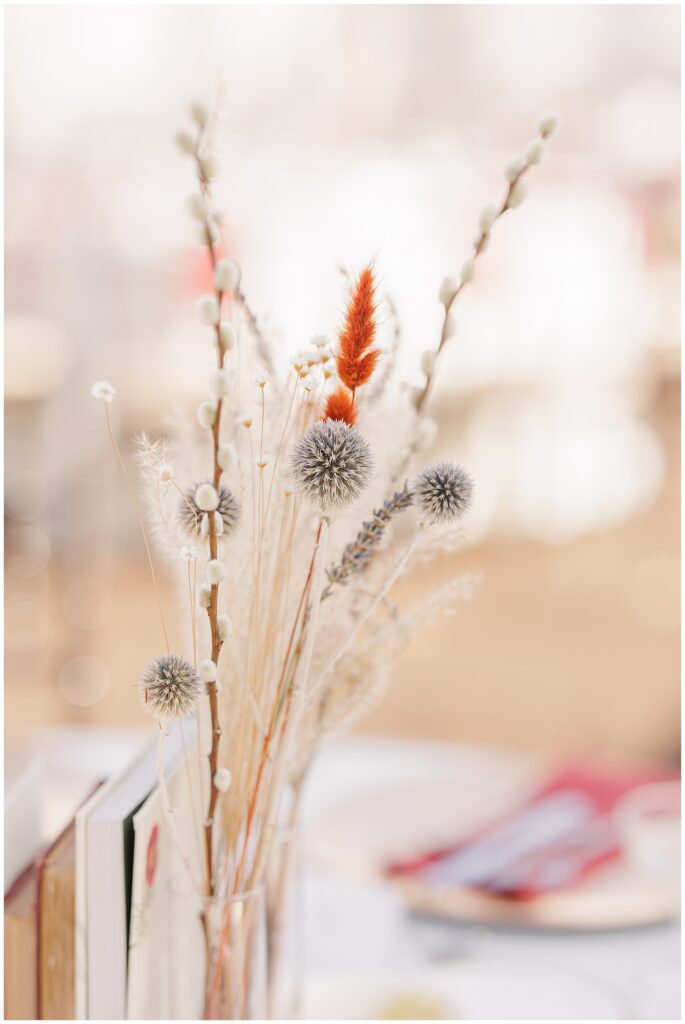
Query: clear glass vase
{"x":217,"y":955}
{"x":284,"y":919}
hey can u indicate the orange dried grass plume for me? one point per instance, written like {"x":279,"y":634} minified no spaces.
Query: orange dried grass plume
{"x":356,"y":358}
{"x":340,"y":406}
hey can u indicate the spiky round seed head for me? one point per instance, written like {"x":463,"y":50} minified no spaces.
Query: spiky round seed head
{"x":220,"y":383}
{"x":226,"y":456}
{"x":204,"y":595}
{"x":207,"y":671}
{"x":170,"y":687}
{"x":190,"y":512}
{"x":216,"y":571}
{"x":443,"y":491}
{"x":223,"y":779}
{"x":226,"y":275}
{"x":227,"y":335}
{"x":224,"y":626}
{"x":208,"y":310}
{"x":331,"y":464}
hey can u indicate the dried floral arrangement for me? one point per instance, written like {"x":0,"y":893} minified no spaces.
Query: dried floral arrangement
{"x":276,"y":505}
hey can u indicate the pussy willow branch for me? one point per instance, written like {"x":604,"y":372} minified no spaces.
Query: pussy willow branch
{"x":213,"y":609}
{"x":478,"y":249}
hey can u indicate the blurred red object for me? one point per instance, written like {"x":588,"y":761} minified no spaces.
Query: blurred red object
{"x":564,"y":832}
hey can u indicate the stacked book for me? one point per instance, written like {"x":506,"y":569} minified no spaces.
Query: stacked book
{"x":83,"y":921}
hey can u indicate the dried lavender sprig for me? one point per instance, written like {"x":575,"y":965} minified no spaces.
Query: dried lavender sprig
{"x":360,"y":551}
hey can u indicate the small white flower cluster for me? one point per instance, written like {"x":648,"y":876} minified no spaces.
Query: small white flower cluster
{"x":103,"y":391}
{"x":315,"y":363}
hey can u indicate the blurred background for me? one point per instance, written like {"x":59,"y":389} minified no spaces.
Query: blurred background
{"x":350,"y":132}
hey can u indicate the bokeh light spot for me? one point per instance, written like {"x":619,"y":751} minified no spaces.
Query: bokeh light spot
{"x":84,"y":680}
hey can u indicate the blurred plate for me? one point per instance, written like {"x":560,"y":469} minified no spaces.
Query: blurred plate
{"x":613,"y":897}
{"x":375,"y":801}
{"x":479,"y":989}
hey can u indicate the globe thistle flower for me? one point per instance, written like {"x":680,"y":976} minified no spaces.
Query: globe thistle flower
{"x":331,"y":464}
{"x":190,"y":513}
{"x":443,"y":491}
{"x":170,"y":687}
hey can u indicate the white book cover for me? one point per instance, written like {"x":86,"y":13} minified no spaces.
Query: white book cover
{"x":166,"y":954}
{"x":103,"y":863}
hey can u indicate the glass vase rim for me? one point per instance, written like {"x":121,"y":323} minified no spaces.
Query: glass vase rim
{"x":175,"y":882}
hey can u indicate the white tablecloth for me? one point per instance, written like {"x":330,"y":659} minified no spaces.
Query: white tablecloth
{"x":351,"y":921}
